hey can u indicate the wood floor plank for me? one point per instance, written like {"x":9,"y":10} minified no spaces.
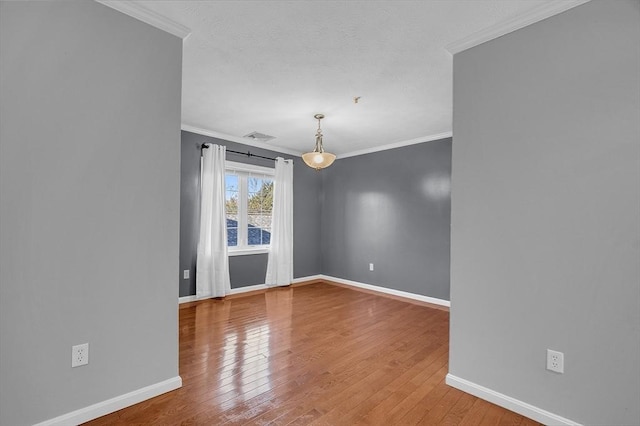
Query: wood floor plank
{"x":492,"y":416}
{"x":476,"y":414}
{"x":457,"y":412}
{"x":317,"y":354}
{"x":432,"y":409}
{"x":510,"y":418}
{"x":528,"y":422}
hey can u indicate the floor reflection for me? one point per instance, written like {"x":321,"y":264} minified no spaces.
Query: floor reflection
{"x":316,"y":354}
{"x":237,"y":339}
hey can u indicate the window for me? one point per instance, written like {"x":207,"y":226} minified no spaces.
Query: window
{"x":248,"y":206}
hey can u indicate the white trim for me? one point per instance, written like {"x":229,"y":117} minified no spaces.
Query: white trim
{"x":243,"y":172}
{"x":114,"y":404}
{"x":534,"y":15}
{"x":505,"y":401}
{"x":148,"y":16}
{"x":256,"y":287}
{"x":248,"y":288}
{"x":391,"y":291}
{"x":309,"y":278}
{"x":247,"y":251}
{"x":258,"y":144}
{"x":397,"y":145}
{"x":239,"y":290}
{"x":249,"y":168}
{"x":187,"y":299}
{"x":244,"y":141}
{"x":370,"y":287}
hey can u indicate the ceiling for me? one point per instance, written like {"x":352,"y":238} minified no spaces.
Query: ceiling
{"x":269,"y":66}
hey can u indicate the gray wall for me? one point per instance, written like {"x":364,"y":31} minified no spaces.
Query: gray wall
{"x":189,"y":210}
{"x":545,"y":217}
{"x":392,"y":209}
{"x":89,"y":196}
{"x":251,"y":269}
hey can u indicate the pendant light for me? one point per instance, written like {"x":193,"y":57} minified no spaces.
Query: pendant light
{"x":318,"y":159}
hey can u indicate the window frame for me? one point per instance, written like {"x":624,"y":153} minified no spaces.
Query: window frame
{"x":243,"y":170}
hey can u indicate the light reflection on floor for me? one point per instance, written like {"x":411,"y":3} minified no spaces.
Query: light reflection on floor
{"x":240,"y":365}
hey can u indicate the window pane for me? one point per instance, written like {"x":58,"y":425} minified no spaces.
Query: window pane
{"x":253,"y":184}
{"x":253,"y":236}
{"x":231,"y":208}
{"x":231,"y":182}
{"x":266,"y":236}
{"x":259,"y":204}
{"x":232,"y":236}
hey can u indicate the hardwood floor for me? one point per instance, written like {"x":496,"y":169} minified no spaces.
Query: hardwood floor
{"x":317,"y":354}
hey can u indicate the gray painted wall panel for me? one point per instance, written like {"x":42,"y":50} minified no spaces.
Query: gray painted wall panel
{"x":392,"y":209}
{"x":546,"y":213}
{"x":249,"y":270}
{"x":189,"y":216}
{"x":89,"y":198}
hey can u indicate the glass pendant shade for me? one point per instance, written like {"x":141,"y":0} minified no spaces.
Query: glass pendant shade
{"x":318,"y":159}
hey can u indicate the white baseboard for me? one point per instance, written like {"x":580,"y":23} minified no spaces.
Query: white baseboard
{"x":248,"y":288}
{"x":187,"y":299}
{"x":370,"y":287}
{"x":239,"y":290}
{"x":305,"y":279}
{"x":508,"y":402}
{"x":391,"y":291}
{"x":256,"y":287}
{"x":114,"y":404}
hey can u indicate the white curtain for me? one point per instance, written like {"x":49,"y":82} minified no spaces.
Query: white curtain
{"x":212,"y":273}
{"x":280,"y":264}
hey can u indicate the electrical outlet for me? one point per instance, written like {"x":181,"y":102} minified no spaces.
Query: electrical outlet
{"x":185,"y":274}
{"x":80,"y":355}
{"x":371,"y":266}
{"x":555,"y":361}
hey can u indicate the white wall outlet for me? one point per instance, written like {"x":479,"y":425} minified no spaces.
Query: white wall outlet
{"x":185,"y":274}
{"x":371,"y":266}
{"x":80,"y":355}
{"x":555,"y":361}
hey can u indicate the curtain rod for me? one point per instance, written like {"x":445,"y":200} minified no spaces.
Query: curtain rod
{"x":248,"y":153}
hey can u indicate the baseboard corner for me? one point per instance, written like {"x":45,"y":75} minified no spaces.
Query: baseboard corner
{"x":114,"y":404}
{"x":505,"y":401}
{"x":389,"y":292}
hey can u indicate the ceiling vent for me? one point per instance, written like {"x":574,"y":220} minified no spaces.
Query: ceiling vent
{"x":259,"y":136}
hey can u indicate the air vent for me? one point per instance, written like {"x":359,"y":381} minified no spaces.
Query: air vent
{"x":259,"y":136}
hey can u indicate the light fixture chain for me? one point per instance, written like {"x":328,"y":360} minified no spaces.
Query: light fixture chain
{"x":318,"y":158}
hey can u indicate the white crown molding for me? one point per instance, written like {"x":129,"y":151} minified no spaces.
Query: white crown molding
{"x":148,"y":16}
{"x":505,"y":401}
{"x":238,"y":139}
{"x":396,"y":145}
{"x":536,"y":14}
{"x":114,"y":404}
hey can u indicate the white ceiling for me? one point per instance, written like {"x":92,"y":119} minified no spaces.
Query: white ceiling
{"x":269,"y":66}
